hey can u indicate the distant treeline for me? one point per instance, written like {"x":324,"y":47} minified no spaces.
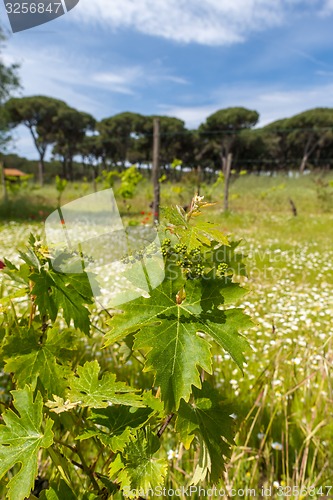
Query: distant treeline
{"x":82,"y":146}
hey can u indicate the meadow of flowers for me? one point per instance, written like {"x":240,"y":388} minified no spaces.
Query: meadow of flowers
{"x":282,"y":403}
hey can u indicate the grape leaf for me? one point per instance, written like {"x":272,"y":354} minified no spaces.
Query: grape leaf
{"x":69,"y":292}
{"x":21,"y":438}
{"x":19,"y":275}
{"x":172,"y":332}
{"x":58,"y":493}
{"x":116,"y":425}
{"x":87,"y":389}
{"x":137,"y":468}
{"x":209,"y":419}
{"x":59,"y":405}
{"x":63,"y":492}
{"x":227,"y":254}
{"x":30,"y":360}
{"x":118,"y":419}
{"x":194,"y":233}
{"x":204,"y":465}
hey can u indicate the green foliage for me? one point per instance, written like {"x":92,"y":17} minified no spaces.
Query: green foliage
{"x":21,"y":438}
{"x":110,"y":429}
{"x":69,"y":292}
{"x":86,"y":389}
{"x":70,"y":128}
{"x":32,"y":361}
{"x":9,"y":82}
{"x":176,"y":163}
{"x":138,"y":467}
{"x":207,"y":418}
{"x":16,"y":186}
{"x":166,"y":315}
{"x":193,"y":234}
{"x":115,"y":425}
{"x":270,"y":191}
{"x":130,"y":178}
{"x":38,"y":114}
{"x":107,"y":178}
{"x":324,"y":191}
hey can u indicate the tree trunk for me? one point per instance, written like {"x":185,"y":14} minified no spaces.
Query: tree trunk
{"x":41,"y":170}
{"x":70,"y":169}
{"x":64,"y":167}
{"x":308,"y":150}
{"x":41,"y":148}
{"x":95,"y":175}
{"x":303,"y":163}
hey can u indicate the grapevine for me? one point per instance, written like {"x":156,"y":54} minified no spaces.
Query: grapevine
{"x":72,"y":412}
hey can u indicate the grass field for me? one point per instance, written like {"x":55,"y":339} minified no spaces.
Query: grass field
{"x":283,"y":404}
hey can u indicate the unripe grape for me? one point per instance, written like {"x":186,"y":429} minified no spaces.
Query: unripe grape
{"x":222,"y":268}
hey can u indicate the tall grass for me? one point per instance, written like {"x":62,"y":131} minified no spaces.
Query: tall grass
{"x":282,"y":405}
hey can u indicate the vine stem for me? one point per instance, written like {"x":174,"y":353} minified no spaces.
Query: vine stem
{"x":83,"y":465}
{"x":87,"y":469}
{"x":33,"y":305}
{"x":165,"y":424}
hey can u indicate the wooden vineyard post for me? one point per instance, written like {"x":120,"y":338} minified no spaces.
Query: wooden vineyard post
{"x":156,"y":171}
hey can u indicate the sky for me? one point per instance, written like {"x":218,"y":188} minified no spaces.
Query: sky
{"x":182,"y":58}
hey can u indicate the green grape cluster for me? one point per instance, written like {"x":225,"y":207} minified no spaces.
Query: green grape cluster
{"x":195,"y":251}
{"x":190,"y":261}
{"x":198,"y":270}
{"x":150,"y":250}
{"x":180,"y":248}
{"x":130,"y":259}
{"x":166,"y":245}
{"x":222,"y":268}
{"x":147,"y":252}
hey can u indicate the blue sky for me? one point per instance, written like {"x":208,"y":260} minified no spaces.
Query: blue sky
{"x":184,"y":58}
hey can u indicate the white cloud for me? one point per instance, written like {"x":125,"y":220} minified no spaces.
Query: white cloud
{"x":77,"y":79}
{"x":191,"y":115}
{"x":121,"y":81}
{"x":324,"y":73}
{"x":209,"y":22}
{"x":51,"y":72}
{"x":271,"y":103}
{"x":127,"y":80}
{"x":327,"y":7}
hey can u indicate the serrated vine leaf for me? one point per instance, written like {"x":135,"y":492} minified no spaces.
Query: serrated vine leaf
{"x":115,"y":425}
{"x":19,"y":275}
{"x":59,"y":405}
{"x":201,"y":233}
{"x":21,"y":438}
{"x":172,"y":333}
{"x":137,"y":468}
{"x":29,"y":360}
{"x":87,"y":389}
{"x":194,"y":233}
{"x":56,"y":492}
{"x":63,"y":492}
{"x":208,"y":419}
{"x":227,"y":254}
{"x":69,"y":292}
{"x":204,"y":465}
